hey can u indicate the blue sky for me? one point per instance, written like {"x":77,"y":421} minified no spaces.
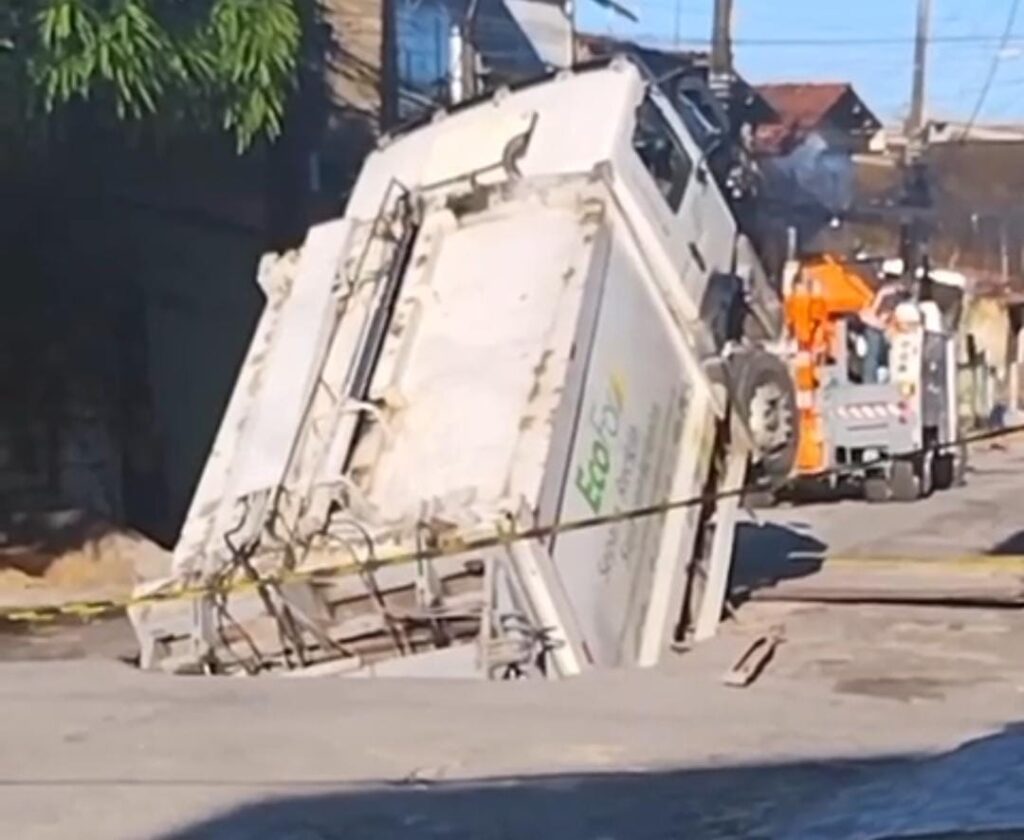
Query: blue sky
{"x":877,"y":56}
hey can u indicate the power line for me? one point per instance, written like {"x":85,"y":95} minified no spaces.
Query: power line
{"x":1011,"y":19}
{"x":502,"y":537}
{"x":847,"y":42}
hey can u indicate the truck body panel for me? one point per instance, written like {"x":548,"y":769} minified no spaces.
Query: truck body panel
{"x":471,"y":409}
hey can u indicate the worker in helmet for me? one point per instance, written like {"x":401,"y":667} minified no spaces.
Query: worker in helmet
{"x":877,"y":320}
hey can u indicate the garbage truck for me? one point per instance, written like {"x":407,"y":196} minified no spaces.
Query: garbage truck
{"x":494,"y":421}
{"x":875,"y":377}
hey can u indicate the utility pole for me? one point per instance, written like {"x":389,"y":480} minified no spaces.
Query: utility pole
{"x":570,"y":13}
{"x":470,"y":63}
{"x":720,"y":71}
{"x":389,"y":81}
{"x":915,"y":121}
{"x":456,"y":43}
{"x":916,"y":178}
{"x":463,"y":65}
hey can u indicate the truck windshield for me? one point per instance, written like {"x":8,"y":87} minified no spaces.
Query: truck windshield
{"x":661,"y":153}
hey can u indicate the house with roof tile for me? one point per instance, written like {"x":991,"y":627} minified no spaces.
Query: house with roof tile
{"x":807,"y":152}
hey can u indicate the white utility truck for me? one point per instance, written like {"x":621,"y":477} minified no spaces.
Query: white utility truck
{"x":467,"y":402}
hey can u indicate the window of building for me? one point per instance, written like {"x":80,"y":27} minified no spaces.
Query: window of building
{"x":661,"y":153}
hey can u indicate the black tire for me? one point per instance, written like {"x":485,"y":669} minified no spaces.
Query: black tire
{"x":749,"y":372}
{"x":905,"y":482}
{"x":812,"y":490}
{"x":877,"y":490}
{"x":925,"y":468}
{"x":944,"y":471}
{"x":962,"y":465}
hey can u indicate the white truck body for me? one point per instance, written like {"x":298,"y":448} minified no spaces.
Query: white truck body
{"x":502,"y":337}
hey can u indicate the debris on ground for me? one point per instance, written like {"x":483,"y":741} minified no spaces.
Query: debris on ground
{"x":755,"y":658}
{"x":62,"y":556}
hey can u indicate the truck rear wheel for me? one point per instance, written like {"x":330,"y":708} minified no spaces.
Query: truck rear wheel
{"x":907,"y":482}
{"x":944,"y":471}
{"x":925,"y":466}
{"x":877,"y":489}
{"x":763,"y":393}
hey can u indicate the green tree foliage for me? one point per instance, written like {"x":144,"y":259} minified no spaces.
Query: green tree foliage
{"x":235,"y":59}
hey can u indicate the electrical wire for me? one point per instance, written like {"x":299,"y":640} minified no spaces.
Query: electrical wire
{"x":503,"y":539}
{"x":1011,"y":20}
{"x":849,"y":41}
{"x":668,"y":506}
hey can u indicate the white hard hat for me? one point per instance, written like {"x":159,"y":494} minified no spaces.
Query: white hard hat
{"x":892,"y":267}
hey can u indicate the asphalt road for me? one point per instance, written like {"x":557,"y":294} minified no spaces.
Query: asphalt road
{"x":872,"y":721}
{"x":981,"y":518}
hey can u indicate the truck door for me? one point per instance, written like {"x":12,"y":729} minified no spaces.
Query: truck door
{"x":697,"y":224}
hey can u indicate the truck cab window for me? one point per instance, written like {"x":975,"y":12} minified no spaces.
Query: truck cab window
{"x":661,"y":153}
{"x":696,"y":118}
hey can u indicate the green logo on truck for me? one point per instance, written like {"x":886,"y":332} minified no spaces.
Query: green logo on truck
{"x":605,"y":421}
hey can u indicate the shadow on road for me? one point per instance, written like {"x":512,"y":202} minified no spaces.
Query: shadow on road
{"x":972,"y":789}
{"x":768,"y":553}
{"x":1014,"y":544}
{"x":690,"y":804}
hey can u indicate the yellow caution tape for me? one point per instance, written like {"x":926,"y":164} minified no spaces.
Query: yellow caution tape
{"x":958,"y":562}
{"x":92,"y":608}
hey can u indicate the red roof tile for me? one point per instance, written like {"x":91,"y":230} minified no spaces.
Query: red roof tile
{"x":777,"y":138}
{"x":803,"y":105}
{"x":803,"y":108}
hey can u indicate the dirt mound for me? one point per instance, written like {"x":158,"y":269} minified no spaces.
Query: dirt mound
{"x":70,"y":555}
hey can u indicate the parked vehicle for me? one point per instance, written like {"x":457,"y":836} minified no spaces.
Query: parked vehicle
{"x":875,"y":373}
